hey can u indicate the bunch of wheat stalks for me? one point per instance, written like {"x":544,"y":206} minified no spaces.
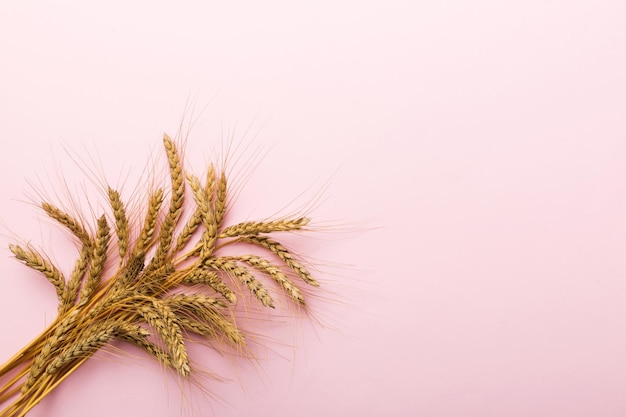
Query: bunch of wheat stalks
{"x":141,"y":302}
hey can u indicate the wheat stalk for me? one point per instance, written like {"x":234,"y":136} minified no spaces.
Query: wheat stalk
{"x":97,"y":306}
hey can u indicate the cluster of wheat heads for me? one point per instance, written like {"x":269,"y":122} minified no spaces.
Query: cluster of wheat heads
{"x":169,"y":284}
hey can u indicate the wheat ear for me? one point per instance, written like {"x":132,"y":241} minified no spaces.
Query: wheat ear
{"x":68,"y":221}
{"x":273,"y":271}
{"x":98,"y":260}
{"x":139,"y":337}
{"x":121,"y":222}
{"x":162,"y":319}
{"x":50,"y":345}
{"x":149,"y":224}
{"x":176,"y":203}
{"x":203,"y":276}
{"x":32,"y":259}
{"x":242,"y":274}
{"x":284,"y":255}
{"x":252,"y":228}
{"x":196,"y":218}
{"x":71,"y":289}
{"x":89,"y":341}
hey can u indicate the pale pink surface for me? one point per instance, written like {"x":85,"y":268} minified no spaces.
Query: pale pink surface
{"x":484,"y":142}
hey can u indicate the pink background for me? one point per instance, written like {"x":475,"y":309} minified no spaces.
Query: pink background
{"x":476,"y":159}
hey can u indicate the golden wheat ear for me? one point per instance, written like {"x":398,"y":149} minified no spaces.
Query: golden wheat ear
{"x":146,"y":299}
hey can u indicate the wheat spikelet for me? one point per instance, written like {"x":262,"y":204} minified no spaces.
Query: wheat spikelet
{"x":243,"y":275}
{"x":252,"y":228}
{"x":203,"y":276}
{"x":121,"y":222}
{"x":273,"y":271}
{"x":284,"y":255}
{"x":32,"y":259}
{"x":71,"y":289}
{"x":99,"y":257}
{"x":162,"y":319}
{"x":68,"y":221}
{"x":149,"y":224}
